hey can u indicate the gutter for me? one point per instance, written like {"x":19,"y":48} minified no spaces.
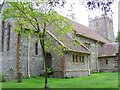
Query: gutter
{"x":90,"y":38}
{"x":70,"y":50}
{"x":107,"y":56}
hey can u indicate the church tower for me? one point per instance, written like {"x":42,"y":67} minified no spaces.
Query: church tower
{"x":103,"y":25}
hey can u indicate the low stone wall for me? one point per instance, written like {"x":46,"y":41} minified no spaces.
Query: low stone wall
{"x":79,"y":73}
{"x":108,"y":70}
{"x":58,"y":74}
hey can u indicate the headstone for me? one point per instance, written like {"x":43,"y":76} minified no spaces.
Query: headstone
{"x":19,"y":77}
{"x":11,"y":74}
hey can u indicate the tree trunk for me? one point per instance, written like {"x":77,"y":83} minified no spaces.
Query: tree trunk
{"x":19,"y":76}
{"x":46,"y":72}
{"x":44,"y":55}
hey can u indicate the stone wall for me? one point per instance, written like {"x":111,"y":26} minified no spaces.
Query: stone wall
{"x":57,"y":59}
{"x":9,"y":57}
{"x":94,"y":48}
{"x":73,"y":69}
{"x":110,"y":66}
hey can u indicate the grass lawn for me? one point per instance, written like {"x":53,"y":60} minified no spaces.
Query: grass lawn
{"x":101,"y":80}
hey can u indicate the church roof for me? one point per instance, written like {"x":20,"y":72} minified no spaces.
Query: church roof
{"x":89,"y":33}
{"x":69,"y":43}
{"x":109,"y":49}
{"x":79,"y":30}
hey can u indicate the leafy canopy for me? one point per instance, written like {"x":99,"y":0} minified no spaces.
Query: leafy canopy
{"x":118,"y":37}
{"x":31,"y":18}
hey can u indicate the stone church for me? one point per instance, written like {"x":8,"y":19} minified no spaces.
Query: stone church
{"x":96,"y":52}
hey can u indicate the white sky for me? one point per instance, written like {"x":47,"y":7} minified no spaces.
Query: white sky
{"x":81,"y":13}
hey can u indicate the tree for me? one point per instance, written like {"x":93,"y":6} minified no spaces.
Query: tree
{"x":118,"y":37}
{"x":33,"y":18}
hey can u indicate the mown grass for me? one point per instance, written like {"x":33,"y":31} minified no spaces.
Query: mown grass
{"x":97,"y":80}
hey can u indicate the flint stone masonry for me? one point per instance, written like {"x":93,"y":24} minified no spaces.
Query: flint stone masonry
{"x":94,"y":47}
{"x":9,"y":57}
{"x":76,"y":69}
{"x":107,"y":67}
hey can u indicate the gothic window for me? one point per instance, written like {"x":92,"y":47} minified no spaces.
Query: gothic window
{"x":8,"y":37}
{"x":3,"y":32}
{"x":73,"y":58}
{"x":36,"y":48}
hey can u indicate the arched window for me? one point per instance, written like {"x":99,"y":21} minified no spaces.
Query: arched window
{"x":36,"y":48}
{"x":3,"y":32}
{"x":8,"y":37}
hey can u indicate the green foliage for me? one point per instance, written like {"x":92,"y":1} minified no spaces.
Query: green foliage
{"x":32,"y":22}
{"x":50,"y":71}
{"x":2,"y":78}
{"x":118,"y":37}
{"x":34,"y":19}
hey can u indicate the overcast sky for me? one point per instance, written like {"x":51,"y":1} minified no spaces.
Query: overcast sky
{"x":81,"y":13}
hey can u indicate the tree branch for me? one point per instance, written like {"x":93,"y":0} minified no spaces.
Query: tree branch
{"x":26,"y":17}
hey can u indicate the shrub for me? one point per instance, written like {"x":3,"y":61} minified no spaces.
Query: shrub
{"x":42,"y":75}
{"x":50,"y":71}
{"x":66,"y":77}
{"x":2,"y":78}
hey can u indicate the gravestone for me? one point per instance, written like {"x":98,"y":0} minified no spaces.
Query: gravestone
{"x":11,"y":74}
{"x":19,"y":77}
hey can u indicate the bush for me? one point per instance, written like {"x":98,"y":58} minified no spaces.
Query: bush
{"x":42,"y":75}
{"x":50,"y":71}
{"x":66,"y":77}
{"x":2,"y":78}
